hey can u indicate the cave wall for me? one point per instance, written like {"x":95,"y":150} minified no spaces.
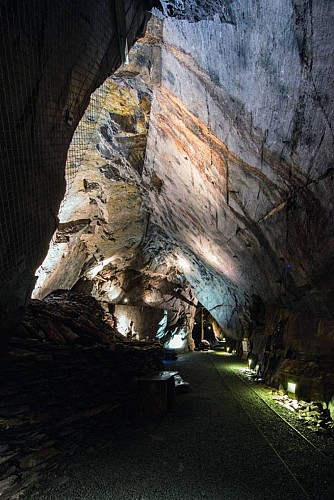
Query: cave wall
{"x":102,"y":216}
{"x":241,"y":179}
{"x":105,"y":244}
{"x":145,"y":319}
{"x":243,"y":119}
{"x":53,"y":56}
{"x":292,"y":346}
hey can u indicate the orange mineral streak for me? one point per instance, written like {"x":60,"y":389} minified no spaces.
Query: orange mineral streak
{"x":196,"y":143}
{"x":193,"y":164}
{"x":191,"y":138}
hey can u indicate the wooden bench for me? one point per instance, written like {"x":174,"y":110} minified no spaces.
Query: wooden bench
{"x":155,"y":393}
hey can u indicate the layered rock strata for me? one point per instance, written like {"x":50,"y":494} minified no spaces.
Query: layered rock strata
{"x":105,"y":243}
{"x":236,"y":172}
{"x":238,"y":166}
{"x":241,"y":142}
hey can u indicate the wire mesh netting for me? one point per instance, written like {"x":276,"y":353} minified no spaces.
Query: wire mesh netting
{"x":83,"y":135}
{"x":51,"y":59}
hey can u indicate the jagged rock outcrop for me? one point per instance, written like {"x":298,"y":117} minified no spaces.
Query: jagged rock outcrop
{"x":238,"y":161}
{"x":205,"y":173}
{"x":102,"y":218}
{"x":105,"y":237}
{"x":53,"y":57}
{"x":198,"y":10}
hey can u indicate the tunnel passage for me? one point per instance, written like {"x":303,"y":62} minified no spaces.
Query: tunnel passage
{"x":203,"y":174}
{"x":235,"y":190}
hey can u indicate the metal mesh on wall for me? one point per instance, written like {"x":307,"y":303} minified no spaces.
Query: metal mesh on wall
{"x":83,"y":136}
{"x":50,"y":62}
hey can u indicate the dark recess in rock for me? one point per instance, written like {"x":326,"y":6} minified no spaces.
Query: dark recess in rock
{"x":111,"y":172}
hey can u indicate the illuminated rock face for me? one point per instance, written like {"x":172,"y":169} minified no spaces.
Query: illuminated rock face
{"x":53,"y":57}
{"x":238,"y":171}
{"x":241,"y":149}
{"x":105,"y":242}
{"x":102,"y":218}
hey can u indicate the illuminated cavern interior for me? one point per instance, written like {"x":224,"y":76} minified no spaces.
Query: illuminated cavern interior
{"x":191,"y":177}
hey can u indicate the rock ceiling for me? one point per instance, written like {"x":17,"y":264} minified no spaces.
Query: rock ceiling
{"x":209,"y":169}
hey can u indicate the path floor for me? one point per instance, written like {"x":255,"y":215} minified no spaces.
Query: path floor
{"x":208,"y":447}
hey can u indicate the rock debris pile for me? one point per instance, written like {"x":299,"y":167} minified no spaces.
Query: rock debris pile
{"x":67,"y":318}
{"x":313,"y":414}
{"x":65,"y":376}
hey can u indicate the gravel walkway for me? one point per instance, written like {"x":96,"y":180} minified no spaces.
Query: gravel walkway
{"x":208,"y":447}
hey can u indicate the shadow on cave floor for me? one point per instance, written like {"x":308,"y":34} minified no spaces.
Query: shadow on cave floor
{"x":207,"y":447}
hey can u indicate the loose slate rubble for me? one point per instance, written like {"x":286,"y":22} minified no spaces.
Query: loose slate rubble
{"x":58,"y":382}
{"x":67,"y":318}
{"x":313,"y":414}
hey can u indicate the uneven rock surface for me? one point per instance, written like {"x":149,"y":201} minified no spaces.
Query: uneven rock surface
{"x":241,"y":141}
{"x":66,"y":318}
{"x":237,"y":173}
{"x":105,"y":243}
{"x":197,"y":10}
{"x":204,"y":173}
{"x":53,"y":57}
{"x":205,"y":168}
